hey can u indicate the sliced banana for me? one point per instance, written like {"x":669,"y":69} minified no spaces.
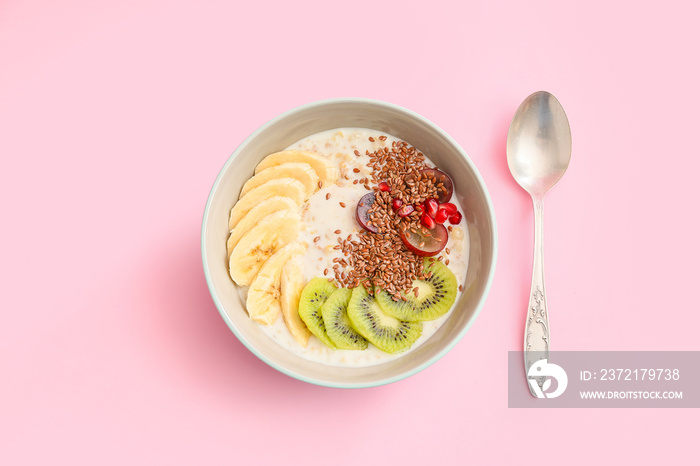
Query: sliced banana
{"x":288,"y":187}
{"x":263,"y":240}
{"x":299,"y":171}
{"x":327,"y":172}
{"x":291,"y":286}
{"x":263,"y":302}
{"x":254,"y":215}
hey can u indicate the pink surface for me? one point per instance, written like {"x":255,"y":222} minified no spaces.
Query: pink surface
{"x":115,"y":118}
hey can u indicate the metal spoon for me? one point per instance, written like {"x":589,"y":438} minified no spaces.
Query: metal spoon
{"x":538,"y":150}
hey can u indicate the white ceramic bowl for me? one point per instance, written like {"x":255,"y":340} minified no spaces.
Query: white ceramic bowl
{"x":304,"y":121}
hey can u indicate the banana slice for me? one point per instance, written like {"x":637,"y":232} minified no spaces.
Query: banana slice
{"x":327,"y":172}
{"x":291,"y":285}
{"x":263,"y":240}
{"x":288,"y":187}
{"x":254,"y":215}
{"x":299,"y":171}
{"x":263,"y":302}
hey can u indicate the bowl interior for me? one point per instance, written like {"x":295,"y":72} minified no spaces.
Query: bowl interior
{"x":302,"y":122}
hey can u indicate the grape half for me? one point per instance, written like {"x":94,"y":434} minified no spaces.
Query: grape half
{"x":425,"y":242}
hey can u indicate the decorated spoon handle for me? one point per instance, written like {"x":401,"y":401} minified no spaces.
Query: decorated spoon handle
{"x":536,"y":345}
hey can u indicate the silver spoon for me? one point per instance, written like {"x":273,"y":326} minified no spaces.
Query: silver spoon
{"x":538,"y":150}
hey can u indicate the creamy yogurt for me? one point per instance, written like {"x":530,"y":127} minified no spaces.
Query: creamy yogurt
{"x":323,"y":214}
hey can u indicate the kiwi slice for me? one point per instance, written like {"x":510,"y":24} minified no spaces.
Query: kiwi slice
{"x":314,"y":294}
{"x":435,"y":296}
{"x":383,"y":331}
{"x":335,"y":317}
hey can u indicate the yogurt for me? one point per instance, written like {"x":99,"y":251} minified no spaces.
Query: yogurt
{"x":324,"y":213}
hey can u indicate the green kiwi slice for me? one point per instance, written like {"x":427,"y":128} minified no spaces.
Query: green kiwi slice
{"x":312,"y":298}
{"x":436,"y":295}
{"x":338,"y":328}
{"x":383,"y":331}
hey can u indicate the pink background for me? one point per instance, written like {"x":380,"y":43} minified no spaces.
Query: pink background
{"x":116,"y":116}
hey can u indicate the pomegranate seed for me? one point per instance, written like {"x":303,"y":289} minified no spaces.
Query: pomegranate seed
{"x":441,"y":215}
{"x":383,"y":186}
{"x":405,"y":210}
{"x":456,"y":218}
{"x":431,"y":207}
{"x":427,"y":221}
{"x":449,"y":207}
{"x":396,"y":203}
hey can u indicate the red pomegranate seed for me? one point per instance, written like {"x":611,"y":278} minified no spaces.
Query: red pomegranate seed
{"x":456,"y":218}
{"x":441,"y":215}
{"x":431,"y":207}
{"x":396,"y":203}
{"x":449,"y":207}
{"x":427,"y":221}
{"x":383,"y":186}
{"x":405,"y":210}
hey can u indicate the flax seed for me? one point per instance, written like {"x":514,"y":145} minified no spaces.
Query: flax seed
{"x":317,"y":239}
{"x":342,"y":204}
{"x":337,"y":232}
{"x":461,"y":288}
{"x":382,"y":260}
{"x":328,"y":196}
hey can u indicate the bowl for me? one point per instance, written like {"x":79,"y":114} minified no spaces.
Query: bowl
{"x":304,"y":121}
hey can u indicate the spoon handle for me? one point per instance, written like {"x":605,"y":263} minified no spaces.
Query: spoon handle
{"x":536,"y":346}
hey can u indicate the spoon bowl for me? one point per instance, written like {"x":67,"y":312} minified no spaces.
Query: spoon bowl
{"x":539,"y":143}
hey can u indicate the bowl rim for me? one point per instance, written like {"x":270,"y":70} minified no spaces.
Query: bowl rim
{"x":380,"y":381}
